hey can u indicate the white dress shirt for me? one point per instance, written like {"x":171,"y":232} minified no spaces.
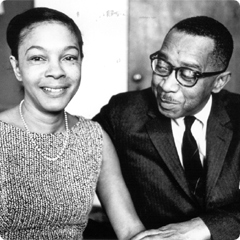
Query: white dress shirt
{"x":198,"y":129}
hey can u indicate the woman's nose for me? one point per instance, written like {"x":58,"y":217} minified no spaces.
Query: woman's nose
{"x":55,"y":70}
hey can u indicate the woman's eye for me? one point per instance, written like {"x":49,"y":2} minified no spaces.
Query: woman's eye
{"x":71,"y":58}
{"x":36,"y":59}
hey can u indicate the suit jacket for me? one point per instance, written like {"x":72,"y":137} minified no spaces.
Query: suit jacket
{"x":152,"y":169}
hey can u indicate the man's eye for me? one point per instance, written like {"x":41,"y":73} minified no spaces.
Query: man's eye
{"x":161,"y":68}
{"x":188,"y":73}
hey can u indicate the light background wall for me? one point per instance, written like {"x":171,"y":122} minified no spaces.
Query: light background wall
{"x":103,"y":24}
{"x":104,"y":71}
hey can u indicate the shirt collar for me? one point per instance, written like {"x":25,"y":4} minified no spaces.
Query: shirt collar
{"x":202,"y":116}
{"x":205,"y":112}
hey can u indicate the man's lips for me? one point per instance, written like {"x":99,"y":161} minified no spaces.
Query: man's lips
{"x":166,"y":99}
{"x":166,"y":102}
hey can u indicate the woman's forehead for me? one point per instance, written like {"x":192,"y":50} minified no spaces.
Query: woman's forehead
{"x":35,"y":25}
{"x":48,"y":36}
{"x":46,"y":29}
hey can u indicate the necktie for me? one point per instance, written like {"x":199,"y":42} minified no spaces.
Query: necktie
{"x":191,"y":159}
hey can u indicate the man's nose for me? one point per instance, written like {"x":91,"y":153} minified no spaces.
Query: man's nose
{"x":170,"y":83}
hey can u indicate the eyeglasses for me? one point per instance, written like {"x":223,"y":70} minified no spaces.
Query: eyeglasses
{"x":185,"y":76}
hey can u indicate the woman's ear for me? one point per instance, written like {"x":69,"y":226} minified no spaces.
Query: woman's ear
{"x":221,"y":81}
{"x":15,"y":66}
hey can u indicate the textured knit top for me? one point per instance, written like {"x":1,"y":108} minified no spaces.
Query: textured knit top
{"x":44,"y":199}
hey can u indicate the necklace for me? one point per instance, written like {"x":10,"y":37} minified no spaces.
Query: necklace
{"x":36,"y":145}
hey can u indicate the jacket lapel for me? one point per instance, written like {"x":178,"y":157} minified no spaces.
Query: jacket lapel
{"x":219,"y":135}
{"x":160,"y":133}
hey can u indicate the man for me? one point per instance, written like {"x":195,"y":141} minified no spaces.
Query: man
{"x":187,"y":197}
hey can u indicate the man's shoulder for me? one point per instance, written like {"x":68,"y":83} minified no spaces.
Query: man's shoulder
{"x":132,"y":98}
{"x":129,"y":105}
{"x":228,"y":102}
{"x":134,"y":94}
{"x":227,"y":97}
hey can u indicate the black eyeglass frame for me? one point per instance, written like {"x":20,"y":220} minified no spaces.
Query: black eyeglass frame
{"x":198,"y":75}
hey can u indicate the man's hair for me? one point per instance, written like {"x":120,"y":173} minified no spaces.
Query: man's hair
{"x":209,"y":27}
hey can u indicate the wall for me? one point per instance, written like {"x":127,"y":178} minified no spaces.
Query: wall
{"x":10,"y":93}
{"x":104,"y":70}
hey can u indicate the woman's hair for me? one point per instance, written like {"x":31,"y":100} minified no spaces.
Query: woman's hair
{"x":209,"y":27}
{"x":24,"y":21}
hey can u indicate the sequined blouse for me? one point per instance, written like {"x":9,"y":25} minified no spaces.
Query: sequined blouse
{"x":43,"y":199}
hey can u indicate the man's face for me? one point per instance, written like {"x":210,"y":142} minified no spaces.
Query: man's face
{"x":183,"y":50}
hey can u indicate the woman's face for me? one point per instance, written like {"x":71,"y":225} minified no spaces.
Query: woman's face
{"x":49,"y":65}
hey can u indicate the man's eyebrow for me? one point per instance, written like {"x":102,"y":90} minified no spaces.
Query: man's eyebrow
{"x":164,"y":57}
{"x":191,"y":65}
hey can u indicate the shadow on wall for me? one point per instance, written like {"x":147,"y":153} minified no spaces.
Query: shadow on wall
{"x":10,"y":88}
{"x":150,"y":20}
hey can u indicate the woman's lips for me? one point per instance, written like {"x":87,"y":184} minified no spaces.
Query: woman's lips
{"x":54,"y":90}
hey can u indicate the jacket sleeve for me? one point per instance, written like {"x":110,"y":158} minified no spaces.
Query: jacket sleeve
{"x":224,"y":222}
{"x":105,"y":116}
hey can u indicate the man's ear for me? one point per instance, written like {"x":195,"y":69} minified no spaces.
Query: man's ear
{"x":16,"y":69}
{"x":221,"y":81}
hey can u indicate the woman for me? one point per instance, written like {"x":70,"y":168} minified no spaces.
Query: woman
{"x":50,"y":161}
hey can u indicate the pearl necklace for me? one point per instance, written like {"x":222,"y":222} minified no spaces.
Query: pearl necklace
{"x":37,"y":148}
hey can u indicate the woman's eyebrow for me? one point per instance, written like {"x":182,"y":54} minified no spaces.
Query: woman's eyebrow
{"x":43,"y":49}
{"x":71,"y":47}
{"x":35,"y":47}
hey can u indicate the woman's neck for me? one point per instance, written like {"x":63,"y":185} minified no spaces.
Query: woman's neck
{"x":42,"y":122}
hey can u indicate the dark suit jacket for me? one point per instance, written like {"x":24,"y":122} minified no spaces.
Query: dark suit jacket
{"x":152,"y":170}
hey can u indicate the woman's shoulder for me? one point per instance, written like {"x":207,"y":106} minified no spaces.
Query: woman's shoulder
{"x":85,"y":123}
{"x":84,"y":120}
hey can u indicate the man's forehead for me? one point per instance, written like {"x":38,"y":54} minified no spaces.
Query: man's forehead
{"x":176,"y":35}
{"x":181,"y":48}
{"x":184,"y":42}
